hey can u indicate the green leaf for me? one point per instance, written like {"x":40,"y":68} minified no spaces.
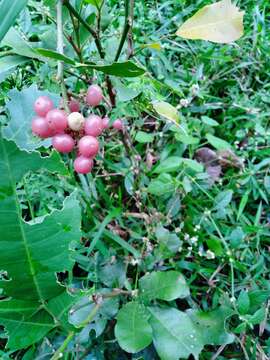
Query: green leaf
{"x":169,"y":243}
{"x":243,"y":302}
{"x":23,"y":329}
{"x":219,"y":144}
{"x":31,"y":253}
{"x":143,"y":137}
{"x":258,"y":317}
{"x":208,"y":121}
{"x":120,"y":69}
{"x":126,"y":92}
{"x":214,"y":244}
{"x":132,"y":330}
{"x":96,"y":3}
{"x":193,"y":164}
{"x":166,"y":110}
{"x":177,"y":334}
{"x":221,"y":22}
{"x":22,"y":112}
{"x":9,"y":10}
{"x":174,"y":334}
{"x":20,"y":46}
{"x":164,"y":285}
{"x":211,"y":325}
{"x":164,"y":184}
{"x":55,"y":55}
{"x":223,"y":199}
{"x":171,"y":164}
{"x":186,"y":139}
{"x":9,"y":63}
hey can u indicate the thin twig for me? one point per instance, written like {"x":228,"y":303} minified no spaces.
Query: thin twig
{"x":87,"y":26}
{"x":130,"y":51}
{"x":60,"y":49}
{"x":76,"y":47}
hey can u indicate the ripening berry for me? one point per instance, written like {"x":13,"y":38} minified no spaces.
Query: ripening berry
{"x":41,"y":128}
{"x":57,"y":120}
{"x":63,"y":143}
{"x":88,"y":146}
{"x":93,"y":125}
{"x":75,"y":121}
{"x":74,"y":105}
{"x":105,"y":122}
{"x":94,"y":95}
{"x":83,"y":165}
{"x":43,"y":105}
{"x":118,"y":124}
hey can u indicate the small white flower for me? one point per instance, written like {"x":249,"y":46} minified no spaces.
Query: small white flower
{"x":210,"y":255}
{"x":184,"y":102}
{"x":194,"y":239}
{"x":195,"y":89}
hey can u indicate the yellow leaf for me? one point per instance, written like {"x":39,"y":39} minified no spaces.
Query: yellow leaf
{"x":166,"y":110}
{"x":221,"y":22}
{"x":154,"y":46}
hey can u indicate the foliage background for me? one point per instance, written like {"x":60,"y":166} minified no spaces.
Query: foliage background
{"x":216,"y":235}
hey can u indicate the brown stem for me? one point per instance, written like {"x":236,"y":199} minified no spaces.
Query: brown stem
{"x":130,"y":51}
{"x":111,"y":92}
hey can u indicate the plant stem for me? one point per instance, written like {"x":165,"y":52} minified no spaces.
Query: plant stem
{"x":76,"y":30}
{"x":92,"y":314}
{"x":59,"y":353}
{"x":130,"y":52}
{"x":87,"y":26}
{"x":60,"y":49}
{"x":124,"y":33}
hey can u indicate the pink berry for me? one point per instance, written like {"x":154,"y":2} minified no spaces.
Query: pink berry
{"x":74,"y":105}
{"x":41,"y":128}
{"x":88,"y":146}
{"x":118,"y":124}
{"x":63,"y":143}
{"x":105,"y":122}
{"x":43,"y":105}
{"x":94,"y":95}
{"x":93,"y":125}
{"x":83,"y":165}
{"x":57,"y":120}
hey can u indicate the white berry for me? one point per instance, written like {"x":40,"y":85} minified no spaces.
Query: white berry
{"x":75,"y":121}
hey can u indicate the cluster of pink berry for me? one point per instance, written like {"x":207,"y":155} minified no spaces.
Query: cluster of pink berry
{"x":72,"y":131}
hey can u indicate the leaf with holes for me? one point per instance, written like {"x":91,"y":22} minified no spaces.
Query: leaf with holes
{"x":31,"y":254}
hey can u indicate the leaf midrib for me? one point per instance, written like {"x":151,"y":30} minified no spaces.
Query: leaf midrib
{"x":172,"y":334}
